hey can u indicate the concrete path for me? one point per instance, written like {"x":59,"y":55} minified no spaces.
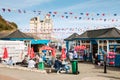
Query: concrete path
{"x":3,"y":77}
{"x":88,"y":71}
{"x":95,"y":78}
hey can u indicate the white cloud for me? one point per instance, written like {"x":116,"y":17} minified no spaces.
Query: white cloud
{"x":21,"y":3}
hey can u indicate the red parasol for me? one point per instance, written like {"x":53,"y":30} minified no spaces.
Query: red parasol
{"x":46,"y":48}
{"x":32,"y":54}
{"x":63,"y":55}
{"x":5,"y":54}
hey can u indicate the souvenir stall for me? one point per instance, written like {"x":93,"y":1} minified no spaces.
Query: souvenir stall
{"x":48,"y":51}
{"x":81,"y":52}
{"x":112,"y":49}
{"x":115,"y":56}
{"x":48,"y":55}
{"x":99,"y":42}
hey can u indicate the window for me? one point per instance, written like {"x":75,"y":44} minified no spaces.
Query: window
{"x":115,"y":48}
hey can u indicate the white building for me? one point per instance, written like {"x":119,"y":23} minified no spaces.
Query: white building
{"x":41,"y":28}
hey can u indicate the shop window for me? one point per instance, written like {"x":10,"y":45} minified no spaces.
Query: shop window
{"x":112,"y":41}
{"x":77,"y":43}
{"x":118,"y":41}
{"x":87,"y":41}
{"x":100,"y":41}
{"x":83,"y":41}
{"x":115,"y":48}
{"x":105,"y":41}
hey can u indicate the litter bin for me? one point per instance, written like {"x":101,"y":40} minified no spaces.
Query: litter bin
{"x":75,"y":66}
{"x":41,"y":65}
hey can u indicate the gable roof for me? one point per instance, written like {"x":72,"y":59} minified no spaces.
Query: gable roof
{"x":71,"y":36}
{"x":101,"y":33}
{"x":18,"y":34}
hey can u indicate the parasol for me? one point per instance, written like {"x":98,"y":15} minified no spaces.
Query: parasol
{"x":5,"y":54}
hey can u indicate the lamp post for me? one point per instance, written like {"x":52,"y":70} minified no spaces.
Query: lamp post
{"x":105,"y":59}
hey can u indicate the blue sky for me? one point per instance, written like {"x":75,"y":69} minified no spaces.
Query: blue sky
{"x":108,"y":7}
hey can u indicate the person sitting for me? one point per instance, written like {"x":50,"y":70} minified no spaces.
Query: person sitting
{"x":65,"y":66}
{"x":31,"y":63}
{"x":10,"y":61}
{"x":24,"y":62}
{"x":3,"y":61}
{"x":49,"y":62}
{"x":57,"y":65}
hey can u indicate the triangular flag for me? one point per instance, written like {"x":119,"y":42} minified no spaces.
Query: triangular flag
{"x":3,"y":9}
{"x":9,"y":10}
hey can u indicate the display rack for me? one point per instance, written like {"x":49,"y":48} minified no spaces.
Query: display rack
{"x":111,"y":59}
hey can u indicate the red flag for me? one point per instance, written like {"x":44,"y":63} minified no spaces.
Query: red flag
{"x":103,"y":14}
{"x":87,"y":14}
{"x":5,"y":54}
{"x":9,"y":10}
{"x":32,"y":54}
{"x":48,"y":15}
{"x":75,"y":17}
{"x":62,"y":16}
{"x":55,"y":12}
{"x":112,"y":20}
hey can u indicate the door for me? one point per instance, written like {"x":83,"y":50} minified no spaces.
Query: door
{"x":94,"y":49}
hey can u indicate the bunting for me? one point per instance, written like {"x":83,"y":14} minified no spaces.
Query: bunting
{"x":105,"y":17}
{"x":67,"y":29}
{"x":71,"y":15}
{"x":56,"y":13}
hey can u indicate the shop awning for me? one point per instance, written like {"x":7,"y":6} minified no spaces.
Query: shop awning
{"x":39,"y":41}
